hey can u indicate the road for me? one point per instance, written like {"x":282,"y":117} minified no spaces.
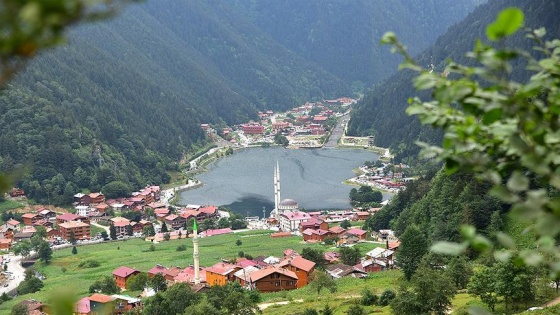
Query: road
{"x":338,"y":131}
{"x":18,"y":273}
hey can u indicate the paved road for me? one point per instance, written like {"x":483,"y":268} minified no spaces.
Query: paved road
{"x":338,"y":131}
{"x":18,"y":273}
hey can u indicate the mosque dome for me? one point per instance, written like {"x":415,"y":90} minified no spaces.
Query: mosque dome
{"x":288,"y":204}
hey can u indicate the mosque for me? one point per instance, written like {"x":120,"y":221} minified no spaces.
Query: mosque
{"x":286,"y":211}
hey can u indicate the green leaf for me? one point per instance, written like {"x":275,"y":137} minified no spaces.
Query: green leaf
{"x":507,"y":23}
{"x":517,"y":182}
{"x":492,"y":116}
{"x":468,"y":232}
{"x":448,"y":248}
{"x":503,"y":194}
{"x":531,"y":258}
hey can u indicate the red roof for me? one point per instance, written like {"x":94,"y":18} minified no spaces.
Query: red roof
{"x":356,"y":231}
{"x":209,"y":209}
{"x":300,"y":263}
{"x":222,"y":268}
{"x":29,"y":215}
{"x":68,"y":217}
{"x":13,"y":222}
{"x":124,"y":272}
{"x":100,"y":298}
{"x":217,"y":232}
{"x":337,"y":229}
{"x":83,"y":306}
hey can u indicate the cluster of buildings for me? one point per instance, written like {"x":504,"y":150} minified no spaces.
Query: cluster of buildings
{"x":297,"y":124}
{"x":387,"y":177}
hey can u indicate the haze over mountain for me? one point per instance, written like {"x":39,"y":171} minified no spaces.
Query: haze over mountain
{"x":123,"y":101}
{"x":382,"y":111}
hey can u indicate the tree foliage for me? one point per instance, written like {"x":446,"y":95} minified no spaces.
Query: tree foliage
{"x":413,"y":246}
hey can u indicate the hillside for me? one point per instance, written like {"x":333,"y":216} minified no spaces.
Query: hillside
{"x":123,"y":101}
{"x":381,"y":113}
{"x":343,"y":36}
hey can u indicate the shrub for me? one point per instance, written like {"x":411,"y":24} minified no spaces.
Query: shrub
{"x":386,"y":297}
{"x":182,"y":248}
{"x":368,"y":298}
{"x":90,"y":263}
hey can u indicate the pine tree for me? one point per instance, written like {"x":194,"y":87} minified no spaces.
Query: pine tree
{"x":74,"y":250}
{"x":112,"y":232}
{"x":164,"y":228}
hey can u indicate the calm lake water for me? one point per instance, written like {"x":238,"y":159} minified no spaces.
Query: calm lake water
{"x":244,"y":180}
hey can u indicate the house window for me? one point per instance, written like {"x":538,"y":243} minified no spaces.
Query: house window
{"x":277,"y":283}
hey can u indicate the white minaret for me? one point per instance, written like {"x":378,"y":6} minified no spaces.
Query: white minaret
{"x":276,"y":190}
{"x":195,"y":254}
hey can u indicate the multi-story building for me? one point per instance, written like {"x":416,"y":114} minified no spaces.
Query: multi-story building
{"x":81,"y":230}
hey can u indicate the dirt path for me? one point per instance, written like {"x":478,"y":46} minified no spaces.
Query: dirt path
{"x":262,"y":306}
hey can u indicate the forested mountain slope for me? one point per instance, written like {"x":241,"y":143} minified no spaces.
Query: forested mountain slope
{"x":382,"y":111}
{"x":124,"y":100}
{"x":343,"y":36}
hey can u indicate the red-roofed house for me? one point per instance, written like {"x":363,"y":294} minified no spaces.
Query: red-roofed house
{"x":13,"y":224}
{"x":95,"y":198}
{"x":122,"y":274}
{"x":174,"y":221}
{"x":315,"y":235}
{"x":67,"y":217}
{"x":120,"y":224}
{"x":359,"y":233}
{"x":314,"y":224}
{"x":168,"y":273}
{"x":221,"y":273}
{"x":290,"y":220}
{"x":100,"y":303}
{"x":5,"y":244}
{"x":337,"y":231}
{"x":82,"y":307}
{"x":301,"y":266}
{"x":31,"y":218}
{"x":81,"y":230}
{"x":187,"y":275}
{"x":274,"y":279}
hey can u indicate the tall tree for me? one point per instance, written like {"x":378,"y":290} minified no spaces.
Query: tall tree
{"x":413,"y":246}
{"x":45,"y":252}
{"x":112,"y":231}
{"x":350,"y":255}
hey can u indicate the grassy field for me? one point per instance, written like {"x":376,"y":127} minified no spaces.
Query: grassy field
{"x":8,"y":205}
{"x":63,"y":271}
{"x":348,"y":293}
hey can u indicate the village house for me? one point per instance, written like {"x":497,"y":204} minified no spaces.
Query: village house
{"x":16,"y":192}
{"x":310,"y":235}
{"x":359,"y":233}
{"x":220,"y":273}
{"x":121,"y":225}
{"x":274,"y":279}
{"x":33,"y":307}
{"x":81,"y":230}
{"x":252,"y":129}
{"x":187,"y":275}
{"x":337,"y":231}
{"x":381,"y":254}
{"x":13,"y":224}
{"x":341,"y":270}
{"x":301,"y":267}
{"x":31,"y":218}
{"x":216,"y":232}
{"x":5,"y":244}
{"x":168,"y":273}
{"x":96,"y":198}
{"x":99,"y":303}
{"x":174,"y":221}
{"x":290,"y":220}
{"x":313,"y":223}
{"x":124,"y":304}
{"x":6,"y":232}
{"x":243,"y":276}
{"x":68,"y":217}
{"x":371,"y":265}
{"x":122,"y":274}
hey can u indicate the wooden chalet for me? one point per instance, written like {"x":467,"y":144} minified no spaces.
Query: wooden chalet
{"x":301,"y":267}
{"x":122,"y":274}
{"x":274,"y":279}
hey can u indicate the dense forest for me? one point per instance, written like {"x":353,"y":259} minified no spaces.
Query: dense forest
{"x":122,"y":102}
{"x":382,"y":111}
{"x":343,"y":36}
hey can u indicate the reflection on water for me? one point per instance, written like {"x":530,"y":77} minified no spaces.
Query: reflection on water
{"x":244,"y":181}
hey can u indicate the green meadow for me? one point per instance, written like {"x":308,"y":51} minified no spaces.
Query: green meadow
{"x":64,"y":271}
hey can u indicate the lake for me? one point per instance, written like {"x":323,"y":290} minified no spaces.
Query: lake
{"x":244,"y":181}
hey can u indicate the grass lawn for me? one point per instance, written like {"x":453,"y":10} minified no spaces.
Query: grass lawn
{"x":64,"y":272}
{"x":8,"y":205}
